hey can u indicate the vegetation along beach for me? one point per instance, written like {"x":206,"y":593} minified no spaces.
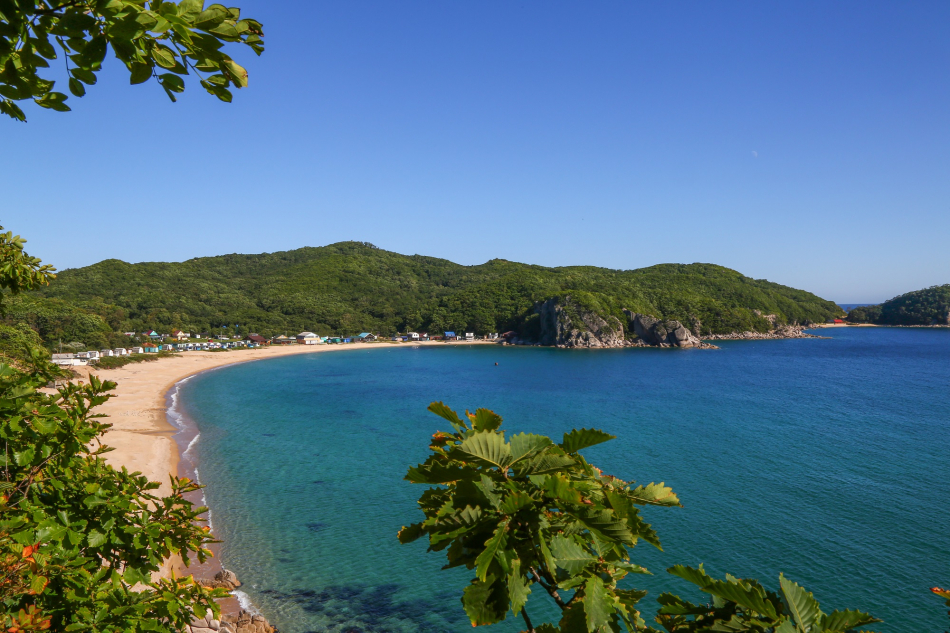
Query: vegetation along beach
{"x":538,"y":318}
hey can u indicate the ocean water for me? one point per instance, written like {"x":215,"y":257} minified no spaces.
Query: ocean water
{"x":828,"y":460}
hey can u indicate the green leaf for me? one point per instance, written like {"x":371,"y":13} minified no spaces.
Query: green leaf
{"x":545,"y":463}
{"x":95,"y":538}
{"x":76,"y":87}
{"x":141,"y":72}
{"x":239,"y":77}
{"x":190,"y":9}
{"x":484,"y":420}
{"x":485,"y":602}
{"x":518,"y":587}
{"x":570,"y":556}
{"x":164,"y":57}
{"x":45,"y":425}
{"x":524,"y":444}
{"x":802,"y":604}
{"x":54,"y":101}
{"x":410,"y":533}
{"x":562,"y":489}
{"x":172,"y":82}
{"x":577,"y":440}
{"x":654,"y":494}
{"x":24,"y":457}
{"x":515,"y":501}
{"x":842,"y":621}
{"x":607,"y":524}
{"x":133,"y":576}
{"x":444,"y":412}
{"x":598,"y":604}
{"x":492,"y":546}
{"x":86,"y":76}
{"x":489,"y":448}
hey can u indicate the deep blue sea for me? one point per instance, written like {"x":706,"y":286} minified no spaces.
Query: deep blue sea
{"x":828,"y":460}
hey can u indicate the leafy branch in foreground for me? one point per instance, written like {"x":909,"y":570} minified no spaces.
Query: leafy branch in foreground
{"x":526,"y":513}
{"x":529,"y":512}
{"x":156,"y":40}
{"x":81,"y":542}
{"x":744,"y":605}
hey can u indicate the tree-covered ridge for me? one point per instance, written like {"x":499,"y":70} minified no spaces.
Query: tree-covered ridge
{"x":930,"y":306}
{"x":352,"y":286}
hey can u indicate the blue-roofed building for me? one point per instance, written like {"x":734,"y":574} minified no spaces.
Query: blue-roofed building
{"x":366,"y":336}
{"x":450,"y":336}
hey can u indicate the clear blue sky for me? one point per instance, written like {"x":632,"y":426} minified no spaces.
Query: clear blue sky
{"x":803,"y":142}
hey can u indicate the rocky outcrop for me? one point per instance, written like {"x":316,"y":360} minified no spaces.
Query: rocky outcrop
{"x":659,"y":333}
{"x":784,"y":331}
{"x":564,"y":323}
{"x":242,"y":622}
{"x":224,"y":579}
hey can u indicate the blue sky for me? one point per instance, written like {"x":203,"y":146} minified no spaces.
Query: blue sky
{"x":807,"y":143}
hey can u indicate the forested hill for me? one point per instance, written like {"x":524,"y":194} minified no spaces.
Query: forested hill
{"x":930,"y":306}
{"x":350,"y":287}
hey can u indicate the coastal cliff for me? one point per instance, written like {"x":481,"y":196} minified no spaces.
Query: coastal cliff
{"x":569,"y":323}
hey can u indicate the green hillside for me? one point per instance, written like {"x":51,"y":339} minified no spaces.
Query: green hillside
{"x":351,"y":287}
{"x":930,"y":306}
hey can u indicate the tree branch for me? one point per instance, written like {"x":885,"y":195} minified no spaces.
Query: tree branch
{"x":527,"y":620}
{"x":551,"y":590}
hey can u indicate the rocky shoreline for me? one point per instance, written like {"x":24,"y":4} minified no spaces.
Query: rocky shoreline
{"x":785,"y":331}
{"x":242,"y":622}
{"x":565,"y":323}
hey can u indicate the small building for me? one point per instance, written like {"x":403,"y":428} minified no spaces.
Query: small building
{"x":366,"y":336}
{"x":308,"y":338}
{"x":413,"y":336}
{"x":283,"y":340}
{"x":335,"y":339}
{"x":150,"y":348}
{"x":138,"y":350}
{"x":67,"y":360}
{"x":105,"y":353}
{"x":120,"y":351}
{"x":152,"y":334}
{"x":180,"y":336}
{"x":451,"y":336}
{"x":469,"y":336}
{"x":88,"y":355}
{"x":256,"y":339}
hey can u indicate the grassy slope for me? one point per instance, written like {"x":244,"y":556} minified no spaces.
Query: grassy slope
{"x":349,"y":287}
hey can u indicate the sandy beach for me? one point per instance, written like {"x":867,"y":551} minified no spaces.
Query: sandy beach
{"x":141,"y":433}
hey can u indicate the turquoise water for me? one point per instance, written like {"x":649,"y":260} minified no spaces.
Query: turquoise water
{"x":824,"y":459}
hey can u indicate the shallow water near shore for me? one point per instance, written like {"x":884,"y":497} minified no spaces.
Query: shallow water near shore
{"x":824,"y":459}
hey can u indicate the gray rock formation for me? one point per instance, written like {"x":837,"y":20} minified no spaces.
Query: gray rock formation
{"x":652,"y":331}
{"x":566,"y":324}
{"x":243,"y":622}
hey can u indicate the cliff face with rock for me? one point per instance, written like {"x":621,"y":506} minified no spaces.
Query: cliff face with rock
{"x":659,"y":333}
{"x":566,"y":323}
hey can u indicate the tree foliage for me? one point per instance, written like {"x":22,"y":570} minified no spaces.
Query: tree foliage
{"x":529,"y":516}
{"x":80,"y":541}
{"x":156,"y":41}
{"x":930,"y":306}
{"x":352,"y":287}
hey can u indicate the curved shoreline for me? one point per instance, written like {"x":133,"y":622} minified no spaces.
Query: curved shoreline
{"x":143,"y":435}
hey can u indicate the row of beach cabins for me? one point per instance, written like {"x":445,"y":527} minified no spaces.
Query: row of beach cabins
{"x":180,"y":341}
